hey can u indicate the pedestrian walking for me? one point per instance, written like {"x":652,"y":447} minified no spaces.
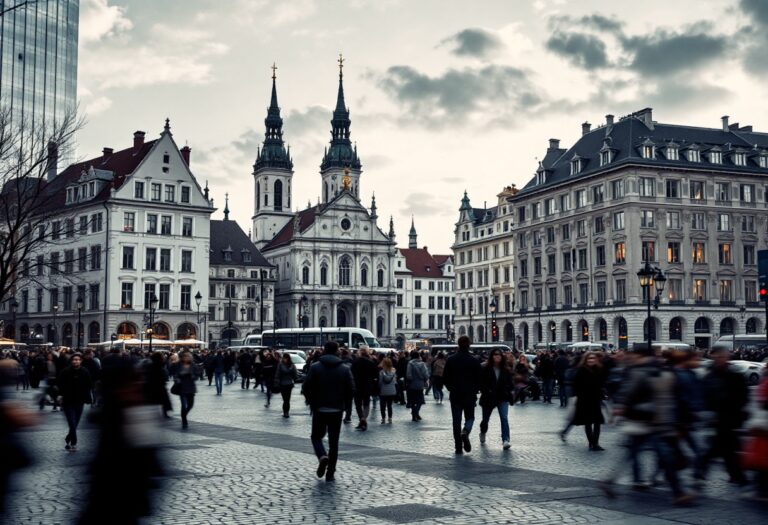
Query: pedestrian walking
{"x":327,"y":387}
{"x":387,"y":389}
{"x":74,"y":384}
{"x":588,"y":385}
{"x":436,"y":378}
{"x":184,"y":386}
{"x":365,"y":374}
{"x":155,"y":379}
{"x":245,"y":366}
{"x":268,"y":367}
{"x":461,"y":377}
{"x":545,"y":370}
{"x":496,"y":392}
{"x":416,"y":377}
{"x":218,"y":371}
{"x":285,"y":377}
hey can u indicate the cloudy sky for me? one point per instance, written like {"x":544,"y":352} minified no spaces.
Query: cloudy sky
{"x":445,"y":95}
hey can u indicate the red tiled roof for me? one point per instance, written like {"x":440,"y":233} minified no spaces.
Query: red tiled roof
{"x":421,"y":263}
{"x":441,"y":259}
{"x":284,"y":236}
{"x":121,"y":163}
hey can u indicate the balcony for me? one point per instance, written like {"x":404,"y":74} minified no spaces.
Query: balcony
{"x":702,"y":302}
{"x":676,"y":302}
{"x":727,"y":303}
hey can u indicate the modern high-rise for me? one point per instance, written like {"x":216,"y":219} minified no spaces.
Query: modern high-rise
{"x":38,"y":70}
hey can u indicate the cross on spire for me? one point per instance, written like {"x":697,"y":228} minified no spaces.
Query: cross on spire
{"x":341,"y":66}
{"x":274,"y":69}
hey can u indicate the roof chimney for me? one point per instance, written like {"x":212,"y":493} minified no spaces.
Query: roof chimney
{"x":138,"y":141}
{"x":585,"y":128}
{"x":724,"y":118}
{"x":107,"y":152}
{"x":609,"y":120}
{"x":53,"y":160}
{"x":185,"y":151}
{"x":554,"y":144}
{"x":646,"y":116}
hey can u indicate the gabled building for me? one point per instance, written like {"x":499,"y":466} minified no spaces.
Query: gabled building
{"x":124,"y":227}
{"x":333,"y":263}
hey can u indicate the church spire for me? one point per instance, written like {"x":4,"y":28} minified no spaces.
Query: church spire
{"x":341,"y":154}
{"x":391,"y":228}
{"x":374,"y":215}
{"x":412,"y":243}
{"x":273,"y":154}
{"x":226,"y":206}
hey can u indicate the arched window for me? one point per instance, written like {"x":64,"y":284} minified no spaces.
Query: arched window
{"x":364,"y":275}
{"x":344,"y":271}
{"x":676,"y":329}
{"x":751,"y":326}
{"x":324,"y":275}
{"x":701,"y":326}
{"x":726,"y":326}
{"x":602,"y":329}
{"x":305,"y":275}
{"x":380,"y":278}
{"x":258,"y":196}
{"x":94,"y":332}
{"x":278,"y":195}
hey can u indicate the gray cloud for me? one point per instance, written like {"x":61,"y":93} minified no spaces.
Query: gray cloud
{"x":421,"y":203}
{"x":663,"y":53}
{"x":757,"y":10}
{"x":593,"y":21}
{"x":474,"y":42}
{"x":457,"y":96}
{"x":307,"y":121}
{"x":580,"y":49}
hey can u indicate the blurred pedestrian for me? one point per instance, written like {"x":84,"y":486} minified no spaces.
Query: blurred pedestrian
{"x":588,"y":386}
{"x":416,"y":377}
{"x":365,"y":374}
{"x":436,"y":378}
{"x":268,"y":367}
{"x":184,"y":384}
{"x":74,"y":384}
{"x":156,"y":377}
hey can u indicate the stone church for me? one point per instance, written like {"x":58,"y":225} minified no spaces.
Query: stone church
{"x":334,"y":263}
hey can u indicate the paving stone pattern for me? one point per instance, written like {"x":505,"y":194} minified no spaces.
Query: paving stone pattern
{"x":241,"y":463}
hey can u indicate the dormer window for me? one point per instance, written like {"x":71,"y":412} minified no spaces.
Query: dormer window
{"x":716,"y":156}
{"x":648,"y":150}
{"x":576,"y":165}
{"x":694,"y":155}
{"x":672,"y":153}
{"x":763,"y":160}
{"x":246,"y":256}
{"x":740,"y":158}
{"x":606,"y":156}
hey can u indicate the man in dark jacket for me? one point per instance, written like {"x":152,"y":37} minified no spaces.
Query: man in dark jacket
{"x":365,"y":373}
{"x":327,"y":387}
{"x":561,"y":365}
{"x":244,"y":366}
{"x":545,"y":369}
{"x":462,"y":379}
{"x":75,"y":390}
{"x":726,"y":395}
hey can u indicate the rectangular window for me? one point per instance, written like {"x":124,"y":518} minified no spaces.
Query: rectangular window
{"x":618,"y":220}
{"x":619,"y":253}
{"x":83,"y":229}
{"x":583,"y":293}
{"x":567,"y":261}
{"x":749,"y":255}
{"x":552,"y":296}
{"x":67,"y":300}
{"x":185,"y":194}
{"x":599,"y":225}
{"x":647,"y":187}
{"x":40,"y":264}
{"x":673,"y":188}
{"x":597,"y":194}
{"x":565,"y":231}
{"x":56,"y":230}
{"x":722,"y":191}
{"x":129,"y":221}
{"x":156,"y":191}
{"x":698,"y":191}
{"x":673,"y":220}
{"x":750,"y":291}
{"x":565,"y":202}
{"x":138,"y":190}
{"x":617,"y":189}
{"x":82,"y":259}
{"x":165,"y":259}
{"x":186,"y":227}
{"x":725,"y":253}
{"x":699,"y":253}
{"x":600,"y":256}
{"x":165,"y":225}
{"x":747,"y":193}
{"x":127,"y":258}
{"x":582,"y":259}
{"x":524,"y":268}
{"x":149,"y":292}
{"x":581,"y":198}
{"x":417,"y":301}
{"x":698,"y":221}
{"x":537,"y":266}
{"x":170,"y":193}
{"x":748,"y":223}
{"x":621,"y":290}
{"x":186,"y":297}
{"x":567,"y":295}
{"x":164,"y":299}
{"x":647,"y":219}
{"x":549,"y":207}
{"x":150,"y":262}
{"x":551,"y":264}
{"x":186,"y":260}
{"x":55,"y":265}
{"x":601,"y":292}
{"x":69,"y":261}
{"x":126,"y":295}
{"x":550,"y":235}
{"x":97,"y":222}
{"x":726,"y":290}
{"x":723,"y":222}
{"x":69,"y":228}
{"x":581,"y":228}
{"x":151,"y":223}
{"x":673,"y":252}
{"x":649,"y":251}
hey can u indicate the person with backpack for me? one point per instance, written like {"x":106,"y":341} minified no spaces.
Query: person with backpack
{"x":387,"y":389}
{"x":416,"y":376}
{"x":437,"y":366}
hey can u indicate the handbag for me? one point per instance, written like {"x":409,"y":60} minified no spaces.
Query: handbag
{"x":176,"y":389}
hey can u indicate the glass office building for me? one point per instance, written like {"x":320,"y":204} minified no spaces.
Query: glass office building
{"x":38,"y":71}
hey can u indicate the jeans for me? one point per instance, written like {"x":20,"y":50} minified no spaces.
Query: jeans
{"x":362,"y":406}
{"x":329,"y":422}
{"x":386,"y":406}
{"x":503,"y":409}
{"x":547,"y":386}
{"x":187,"y":402}
{"x":437,"y":388}
{"x":459,"y":409}
{"x":285,"y":391}
{"x":73,"y":414}
{"x":219,"y":382}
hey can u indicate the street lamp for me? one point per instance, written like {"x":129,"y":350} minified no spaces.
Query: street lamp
{"x":651,"y":278}
{"x":79,"y":303}
{"x":152,"y":307}
{"x":302,"y":305}
{"x":55,"y":328}
{"x":198,"y":300}
{"x":492,"y":308}
{"x":471,"y":331}
{"x":14,"y":306}
{"x":242,"y":313}
{"x":112,"y":340}
{"x":229,"y":319}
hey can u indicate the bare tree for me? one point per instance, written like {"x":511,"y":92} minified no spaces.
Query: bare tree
{"x":28,"y":199}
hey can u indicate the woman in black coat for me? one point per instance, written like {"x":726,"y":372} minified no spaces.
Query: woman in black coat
{"x":496,"y":391}
{"x":589,"y":387}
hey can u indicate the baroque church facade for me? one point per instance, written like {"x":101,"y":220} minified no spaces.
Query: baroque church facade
{"x":333,"y":263}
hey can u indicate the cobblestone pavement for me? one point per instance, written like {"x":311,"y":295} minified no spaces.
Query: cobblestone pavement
{"x":243,"y":463}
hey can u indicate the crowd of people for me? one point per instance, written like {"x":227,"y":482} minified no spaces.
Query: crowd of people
{"x":665,"y":405}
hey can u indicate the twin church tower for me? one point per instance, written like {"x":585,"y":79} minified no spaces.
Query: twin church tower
{"x":273,"y":169}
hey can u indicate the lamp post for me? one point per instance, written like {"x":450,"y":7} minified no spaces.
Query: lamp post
{"x":55,"y":328}
{"x":471,"y":331}
{"x":229,"y":319}
{"x":112,"y":338}
{"x":79,"y":303}
{"x":651,"y":278}
{"x":152,"y":306}
{"x":198,"y":300}
{"x":14,"y":306}
{"x":260,"y":300}
{"x":492,"y":307}
{"x":512,"y":320}
{"x":742,"y":311}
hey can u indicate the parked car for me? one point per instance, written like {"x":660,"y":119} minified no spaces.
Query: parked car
{"x":751,"y":370}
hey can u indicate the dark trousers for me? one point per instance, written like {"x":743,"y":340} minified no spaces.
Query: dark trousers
{"x":592,"y":430}
{"x":562,"y":392}
{"x":548,"y":385}
{"x":385,"y":404}
{"x":459,"y":409}
{"x":285,"y":391}
{"x":362,"y":406}
{"x":322,"y":423}
{"x":348,"y":409}
{"x":187,"y":402}
{"x":245,"y":382}
{"x":73,"y":414}
{"x":725,"y":444}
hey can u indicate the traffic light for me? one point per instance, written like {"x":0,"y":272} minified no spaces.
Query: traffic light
{"x":762,"y":273}
{"x":494,"y":331}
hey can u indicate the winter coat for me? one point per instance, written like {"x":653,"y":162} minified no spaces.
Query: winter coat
{"x":184,"y":375}
{"x":588,"y":387}
{"x":726,"y":394}
{"x":462,"y":378}
{"x":417,"y":374}
{"x":328,"y":385}
{"x":286,"y":375}
{"x":365,"y":373}
{"x":75,"y":386}
{"x":387,"y":383}
{"x":495,"y":390}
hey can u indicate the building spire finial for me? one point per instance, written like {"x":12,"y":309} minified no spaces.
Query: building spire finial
{"x":274,"y":69}
{"x":341,"y":66}
{"x":167,"y":127}
{"x":226,"y":206}
{"x":412,"y":239}
{"x":391,"y":228}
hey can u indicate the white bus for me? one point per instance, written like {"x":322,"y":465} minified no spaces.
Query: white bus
{"x":252,"y":340}
{"x":744,"y":341}
{"x":316,"y":337}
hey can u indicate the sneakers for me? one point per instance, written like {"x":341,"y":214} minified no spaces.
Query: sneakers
{"x":389,"y":420}
{"x":482,"y":438}
{"x":506,"y":445}
{"x":465,"y":440}
{"x":347,"y":420}
{"x":383,"y":421}
{"x":321,"y":466}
